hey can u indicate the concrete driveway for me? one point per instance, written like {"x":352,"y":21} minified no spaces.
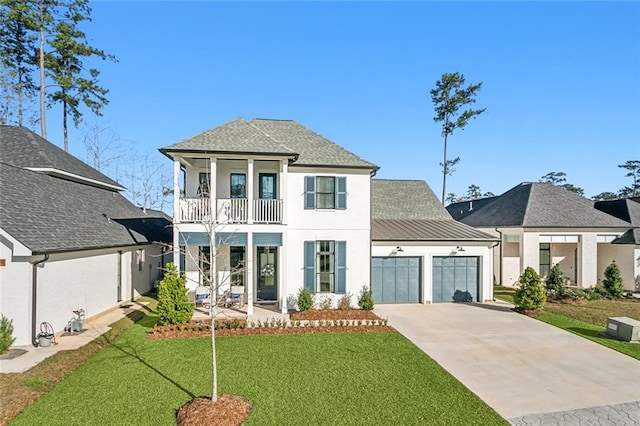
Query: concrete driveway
{"x":518,"y":365}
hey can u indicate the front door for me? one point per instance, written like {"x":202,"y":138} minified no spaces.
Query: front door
{"x":267,"y":274}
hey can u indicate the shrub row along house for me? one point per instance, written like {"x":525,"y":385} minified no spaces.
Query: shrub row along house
{"x":68,"y":239}
{"x":274,"y":207}
{"x":540,"y":225}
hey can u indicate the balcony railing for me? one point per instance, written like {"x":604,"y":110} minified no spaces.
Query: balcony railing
{"x":194,"y":210}
{"x":267,"y":211}
{"x":230,"y":210}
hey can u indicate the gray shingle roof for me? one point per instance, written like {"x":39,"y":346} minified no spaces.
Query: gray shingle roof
{"x":314,"y":149}
{"x":408,"y":210}
{"x":627,"y":209}
{"x":21,"y":147}
{"x":464,"y":208}
{"x":275,"y":137}
{"x":541,"y":205}
{"x":405,"y":199}
{"x":425,"y":230}
{"x":48,"y":214}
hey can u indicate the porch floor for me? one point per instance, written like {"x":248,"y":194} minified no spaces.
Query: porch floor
{"x":261,"y":313}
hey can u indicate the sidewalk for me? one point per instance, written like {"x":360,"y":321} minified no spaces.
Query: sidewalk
{"x":100,"y":324}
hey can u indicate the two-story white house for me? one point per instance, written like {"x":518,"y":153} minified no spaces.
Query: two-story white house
{"x":272,"y":206}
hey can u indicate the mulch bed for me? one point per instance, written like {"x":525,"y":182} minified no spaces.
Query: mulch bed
{"x":528,"y":312}
{"x":333,"y":314}
{"x":159,"y":333}
{"x":228,"y":410}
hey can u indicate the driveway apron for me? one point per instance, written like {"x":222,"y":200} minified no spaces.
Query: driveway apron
{"x":518,"y":365}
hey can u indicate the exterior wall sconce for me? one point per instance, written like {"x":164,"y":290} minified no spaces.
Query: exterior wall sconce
{"x":399,"y":249}
{"x":460,"y":248}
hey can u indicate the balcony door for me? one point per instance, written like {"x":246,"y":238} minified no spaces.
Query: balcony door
{"x":268,"y":186}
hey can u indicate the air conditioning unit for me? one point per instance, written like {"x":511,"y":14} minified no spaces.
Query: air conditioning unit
{"x":624,"y":328}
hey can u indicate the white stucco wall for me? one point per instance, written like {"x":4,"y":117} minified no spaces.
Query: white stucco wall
{"x":68,"y":281}
{"x":564,"y":254}
{"x":428,"y":252}
{"x":624,"y":257}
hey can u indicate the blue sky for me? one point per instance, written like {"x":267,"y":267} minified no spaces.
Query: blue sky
{"x":561,"y":81}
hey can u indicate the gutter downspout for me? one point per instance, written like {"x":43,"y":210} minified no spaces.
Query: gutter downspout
{"x":34,"y":298}
{"x":501,"y":253}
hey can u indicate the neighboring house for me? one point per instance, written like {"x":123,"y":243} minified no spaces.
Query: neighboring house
{"x":284,"y":207}
{"x":420,"y":254}
{"x":68,"y":238}
{"x":540,"y":224}
{"x":627,"y":209}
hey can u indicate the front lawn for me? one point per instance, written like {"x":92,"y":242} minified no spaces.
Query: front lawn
{"x":586,"y":320}
{"x":339,"y":378}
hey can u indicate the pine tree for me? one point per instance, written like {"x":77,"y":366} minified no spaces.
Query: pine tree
{"x":530,"y":295}
{"x":612,"y":282}
{"x":555,"y":282}
{"x":173,"y":304}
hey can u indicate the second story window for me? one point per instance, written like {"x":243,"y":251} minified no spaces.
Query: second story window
{"x":325,"y":192}
{"x":238,"y":185}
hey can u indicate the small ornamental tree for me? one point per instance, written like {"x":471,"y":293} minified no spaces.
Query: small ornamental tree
{"x":530,"y":295}
{"x":365,"y":301}
{"x":173,"y":304}
{"x":612,"y":282}
{"x":555,"y":282}
{"x":6,"y":334}
{"x":305,"y":299}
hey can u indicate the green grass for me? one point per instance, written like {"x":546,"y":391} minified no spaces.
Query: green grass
{"x":587,"y":320}
{"x":342,"y":378}
{"x":591,"y":332}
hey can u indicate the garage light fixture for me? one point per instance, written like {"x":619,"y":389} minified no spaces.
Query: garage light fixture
{"x":459,"y":248}
{"x":399,"y":249}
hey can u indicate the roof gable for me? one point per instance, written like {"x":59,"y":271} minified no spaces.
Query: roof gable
{"x":405,"y":199}
{"x":541,"y":205}
{"x":21,"y":147}
{"x":627,"y":209}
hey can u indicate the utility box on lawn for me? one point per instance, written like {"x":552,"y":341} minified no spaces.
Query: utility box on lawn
{"x":623,"y":328}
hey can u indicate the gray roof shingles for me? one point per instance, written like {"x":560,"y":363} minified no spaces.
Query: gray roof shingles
{"x":541,"y":205}
{"x":275,"y":137}
{"x":49,"y":214}
{"x":52,"y":214}
{"x":408,"y":210}
{"x":21,"y":147}
{"x":627,"y":209}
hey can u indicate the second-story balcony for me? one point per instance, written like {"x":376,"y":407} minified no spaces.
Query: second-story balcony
{"x":230,"y":211}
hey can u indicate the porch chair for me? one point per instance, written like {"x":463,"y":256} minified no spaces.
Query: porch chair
{"x":235,"y":296}
{"x":203,"y":296}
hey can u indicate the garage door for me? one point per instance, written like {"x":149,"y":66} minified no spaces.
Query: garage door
{"x":455,"y":279}
{"x":395,"y":279}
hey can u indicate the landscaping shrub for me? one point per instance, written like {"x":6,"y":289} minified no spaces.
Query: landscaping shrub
{"x":612,"y":282}
{"x":6,"y":334}
{"x":555,"y":283}
{"x":344,"y":304}
{"x":326,"y":303}
{"x":530,"y":295}
{"x":365,"y":301}
{"x":173,"y":304}
{"x":593,"y":294}
{"x":575,"y":294}
{"x":305,"y":299}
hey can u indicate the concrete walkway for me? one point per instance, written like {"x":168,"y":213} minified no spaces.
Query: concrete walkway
{"x":521,"y":367}
{"x":100,"y":324}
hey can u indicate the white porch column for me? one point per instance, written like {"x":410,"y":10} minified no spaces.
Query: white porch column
{"x":282,"y":277}
{"x":250,"y":196}
{"x":530,"y":251}
{"x":587,"y":260}
{"x":250,"y":275}
{"x":213,"y":203}
{"x":284,"y":168}
{"x":176,"y":213}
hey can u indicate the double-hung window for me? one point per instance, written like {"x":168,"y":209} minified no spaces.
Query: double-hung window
{"x":325,"y":192}
{"x":238,"y":185}
{"x":545,"y":258}
{"x":325,"y":266}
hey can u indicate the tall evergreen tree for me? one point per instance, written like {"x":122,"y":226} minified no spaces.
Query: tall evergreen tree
{"x":448,"y":97}
{"x":74,"y":85}
{"x":17,"y":46}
